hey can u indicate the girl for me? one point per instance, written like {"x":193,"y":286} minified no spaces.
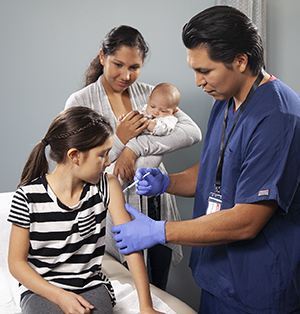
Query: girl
{"x":112,"y":90}
{"x":58,"y":221}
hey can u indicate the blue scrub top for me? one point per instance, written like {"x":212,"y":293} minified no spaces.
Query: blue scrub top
{"x":261,"y":162}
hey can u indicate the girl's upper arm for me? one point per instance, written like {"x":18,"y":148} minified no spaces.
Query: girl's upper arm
{"x":116,"y":204}
{"x":18,"y":244}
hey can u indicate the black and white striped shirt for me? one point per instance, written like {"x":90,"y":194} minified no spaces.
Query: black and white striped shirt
{"x":66,"y":243}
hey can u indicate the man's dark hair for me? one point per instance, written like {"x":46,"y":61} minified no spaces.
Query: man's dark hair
{"x":225,"y":32}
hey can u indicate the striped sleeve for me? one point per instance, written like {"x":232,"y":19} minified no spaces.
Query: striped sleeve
{"x":19,"y":211}
{"x":104,"y":190}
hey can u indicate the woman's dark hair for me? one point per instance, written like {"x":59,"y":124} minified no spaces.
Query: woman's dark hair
{"x":119,"y":36}
{"x":225,"y":32}
{"x":77,"y":127}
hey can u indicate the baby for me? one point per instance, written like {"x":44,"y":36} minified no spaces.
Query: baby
{"x":161,"y":108}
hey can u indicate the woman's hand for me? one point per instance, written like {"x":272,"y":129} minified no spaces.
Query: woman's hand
{"x":72,"y":303}
{"x":125,"y":165}
{"x":131,"y":125}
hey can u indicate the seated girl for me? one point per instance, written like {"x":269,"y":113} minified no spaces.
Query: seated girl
{"x":58,"y":221}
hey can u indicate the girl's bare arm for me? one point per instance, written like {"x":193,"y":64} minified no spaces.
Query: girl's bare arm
{"x":135,"y":260}
{"x":18,"y":265}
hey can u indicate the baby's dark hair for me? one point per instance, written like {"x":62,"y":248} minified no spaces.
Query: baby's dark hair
{"x":77,"y":127}
{"x":116,"y":38}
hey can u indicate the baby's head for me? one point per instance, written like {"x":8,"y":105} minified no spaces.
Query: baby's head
{"x":163,"y":101}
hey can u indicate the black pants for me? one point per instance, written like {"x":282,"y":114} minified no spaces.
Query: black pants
{"x":159,"y":256}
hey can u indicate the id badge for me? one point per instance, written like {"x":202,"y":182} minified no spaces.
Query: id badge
{"x":214,"y":203}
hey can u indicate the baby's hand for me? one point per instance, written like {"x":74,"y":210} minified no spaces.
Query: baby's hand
{"x":151,"y":125}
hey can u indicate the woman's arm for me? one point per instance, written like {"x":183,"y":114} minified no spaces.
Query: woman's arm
{"x":18,"y":265}
{"x":135,"y":260}
{"x":131,"y":125}
{"x":186,"y":133}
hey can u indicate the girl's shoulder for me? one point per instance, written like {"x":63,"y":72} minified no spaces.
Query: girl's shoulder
{"x":35,"y":186}
{"x":113,"y":185}
{"x":112,"y":180}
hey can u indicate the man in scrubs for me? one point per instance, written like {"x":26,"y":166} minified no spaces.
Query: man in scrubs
{"x":246,"y":226}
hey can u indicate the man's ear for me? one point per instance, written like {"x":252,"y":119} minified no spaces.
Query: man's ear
{"x":241,"y":60}
{"x":74,"y":155}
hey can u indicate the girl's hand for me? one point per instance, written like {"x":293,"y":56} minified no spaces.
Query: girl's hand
{"x":72,"y":303}
{"x":150,"y":310}
{"x":131,"y":125}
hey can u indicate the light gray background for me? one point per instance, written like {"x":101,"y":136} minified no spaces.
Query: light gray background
{"x":46,"y":46}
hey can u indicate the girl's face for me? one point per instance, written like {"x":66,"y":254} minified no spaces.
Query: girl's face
{"x":121,"y":69}
{"x":95,"y":161}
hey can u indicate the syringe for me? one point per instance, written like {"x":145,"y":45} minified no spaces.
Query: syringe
{"x":135,"y":182}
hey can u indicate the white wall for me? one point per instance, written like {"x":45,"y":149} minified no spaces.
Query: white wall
{"x":283,"y":41}
{"x":46,"y":46}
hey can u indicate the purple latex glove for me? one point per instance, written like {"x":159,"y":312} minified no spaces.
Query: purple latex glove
{"x":155,"y":183}
{"x":139,"y":234}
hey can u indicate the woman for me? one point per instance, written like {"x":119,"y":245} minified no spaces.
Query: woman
{"x":112,"y":90}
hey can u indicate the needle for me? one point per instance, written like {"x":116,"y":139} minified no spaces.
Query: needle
{"x":135,"y":182}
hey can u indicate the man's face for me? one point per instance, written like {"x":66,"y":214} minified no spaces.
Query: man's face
{"x":215,"y":78}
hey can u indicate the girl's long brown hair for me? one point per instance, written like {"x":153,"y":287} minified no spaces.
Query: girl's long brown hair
{"x":77,"y":127}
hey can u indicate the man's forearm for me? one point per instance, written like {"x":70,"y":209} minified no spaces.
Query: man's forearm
{"x":184,"y":183}
{"x":242,"y":222}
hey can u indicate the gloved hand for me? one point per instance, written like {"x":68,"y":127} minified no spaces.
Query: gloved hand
{"x":139,"y":234}
{"x":155,"y":183}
